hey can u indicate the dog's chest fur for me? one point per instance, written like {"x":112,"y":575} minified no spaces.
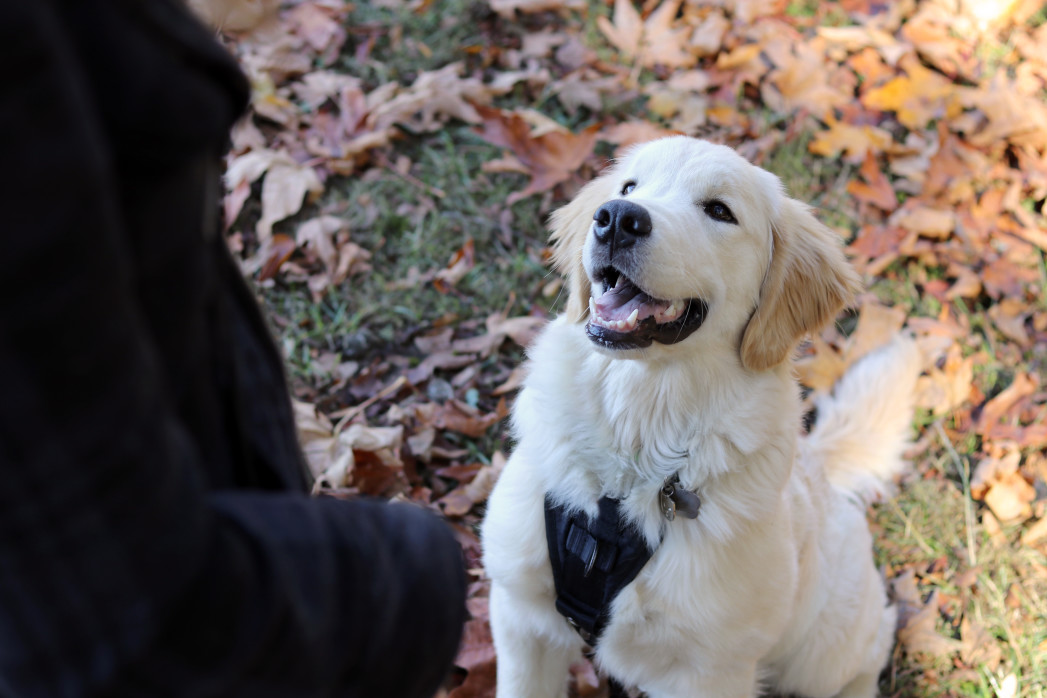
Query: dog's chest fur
{"x":597,"y":426}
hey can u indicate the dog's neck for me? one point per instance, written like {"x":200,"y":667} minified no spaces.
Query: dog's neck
{"x":631,"y":423}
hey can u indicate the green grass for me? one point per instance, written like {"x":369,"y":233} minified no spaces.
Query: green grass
{"x":412,"y":231}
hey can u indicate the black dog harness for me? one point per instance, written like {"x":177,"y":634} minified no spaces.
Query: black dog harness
{"x":594,"y":559}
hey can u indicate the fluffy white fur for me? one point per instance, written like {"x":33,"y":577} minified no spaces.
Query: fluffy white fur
{"x":773,"y":586}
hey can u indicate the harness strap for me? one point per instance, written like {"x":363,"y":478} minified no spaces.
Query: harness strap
{"x":592,"y":560}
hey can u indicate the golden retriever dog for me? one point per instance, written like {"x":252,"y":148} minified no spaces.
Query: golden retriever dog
{"x":660,"y":468}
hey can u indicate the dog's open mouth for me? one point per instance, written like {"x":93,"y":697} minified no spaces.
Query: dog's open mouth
{"x":625,"y":317}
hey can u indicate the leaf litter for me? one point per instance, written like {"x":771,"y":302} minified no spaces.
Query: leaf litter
{"x":931,"y":113}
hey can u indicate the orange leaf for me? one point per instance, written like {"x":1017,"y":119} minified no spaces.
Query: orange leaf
{"x":926,"y":221}
{"x":876,"y":189}
{"x":855,"y":142}
{"x":917,"y":97}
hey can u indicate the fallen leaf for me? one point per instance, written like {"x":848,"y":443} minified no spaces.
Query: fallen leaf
{"x":856,"y":143}
{"x":804,"y":81}
{"x":283,"y":192}
{"x":920,"y":636}
{"x":874,"y":187}
{"x":707,"y":37}
{"x":549,"y":158}
{"x":926,"y":221}
{"x":277,"y":250}
{"x":916,"y":97}
{"x":625,"y":28}
{"x":664,"y":43}
{"x":462,"y":262}
{"x":945,"y":389}
{"x":998,"y":482}
{"x":978,"y":646}
{"x":432,"y":98}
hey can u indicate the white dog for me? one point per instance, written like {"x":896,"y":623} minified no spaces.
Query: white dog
{"x":666,"y":388}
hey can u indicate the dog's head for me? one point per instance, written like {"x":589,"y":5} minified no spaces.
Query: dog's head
{"x":686,"y":241}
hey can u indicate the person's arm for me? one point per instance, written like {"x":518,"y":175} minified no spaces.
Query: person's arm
{"x":119,"y":574}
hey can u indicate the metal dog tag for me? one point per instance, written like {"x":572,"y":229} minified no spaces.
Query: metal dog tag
{"x":667,"y":504}
{"x":673,"y":499}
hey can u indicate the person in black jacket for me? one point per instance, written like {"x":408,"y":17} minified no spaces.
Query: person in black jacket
{"x":155,"y":534}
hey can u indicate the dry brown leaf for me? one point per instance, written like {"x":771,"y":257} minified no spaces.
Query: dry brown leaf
{"x":707,"y":38}
{"x":1023,"y":385}
{"x":656,"y":41}
{"x":549,"y":158}
{"x":462,"y":262}
{"x":876,"y":246}
{"x":979,"y":647}
{"x":434,"y":97}
{"x":460,"y":417}
{"x":462,"y":499}
{"x":1009,"y":316}
{"x":284,"y":189}
{"x":999,"y":483}
{"x":625,"y":28}
{"x":920,"y":636}
{"x":578,"y":89}
{"x":926,"y":221}
{"x":1036,"y":534}
{"x":875,"y":189}
{"x":1011,"y":115}
{"x":277,"y":250}
{"x":1010,"y":498}
{"x":663,"y":42}
{"x":803,"y":80}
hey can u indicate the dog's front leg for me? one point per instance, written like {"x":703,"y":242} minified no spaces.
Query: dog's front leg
{"x":738,"y":680}
{"x":530,"y":665}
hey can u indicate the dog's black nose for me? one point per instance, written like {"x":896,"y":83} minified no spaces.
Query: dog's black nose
{"x":621,"y":222}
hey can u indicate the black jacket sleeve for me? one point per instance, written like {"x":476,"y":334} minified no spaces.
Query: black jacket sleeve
{"x":123,"y":571}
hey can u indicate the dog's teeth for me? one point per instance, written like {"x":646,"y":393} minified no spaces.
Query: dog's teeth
{"x":592,"y":307}
{"x":631,"y":320}
{"x":619,"y":281}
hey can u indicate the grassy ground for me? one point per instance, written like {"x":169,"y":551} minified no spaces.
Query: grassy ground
{"x":430,"y":197}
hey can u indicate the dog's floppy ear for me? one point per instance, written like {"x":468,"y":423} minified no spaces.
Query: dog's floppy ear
{"x":808,"y":282}
{"x":569,"y":225}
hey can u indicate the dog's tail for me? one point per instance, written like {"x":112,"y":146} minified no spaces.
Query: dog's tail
{"x":863,"y":427}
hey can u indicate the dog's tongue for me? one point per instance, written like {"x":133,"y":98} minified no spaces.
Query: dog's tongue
{"x":619,"y":302}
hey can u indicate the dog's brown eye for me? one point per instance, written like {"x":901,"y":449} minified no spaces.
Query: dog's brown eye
{"x":628,"y":187}
{"x":718,"y":211}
